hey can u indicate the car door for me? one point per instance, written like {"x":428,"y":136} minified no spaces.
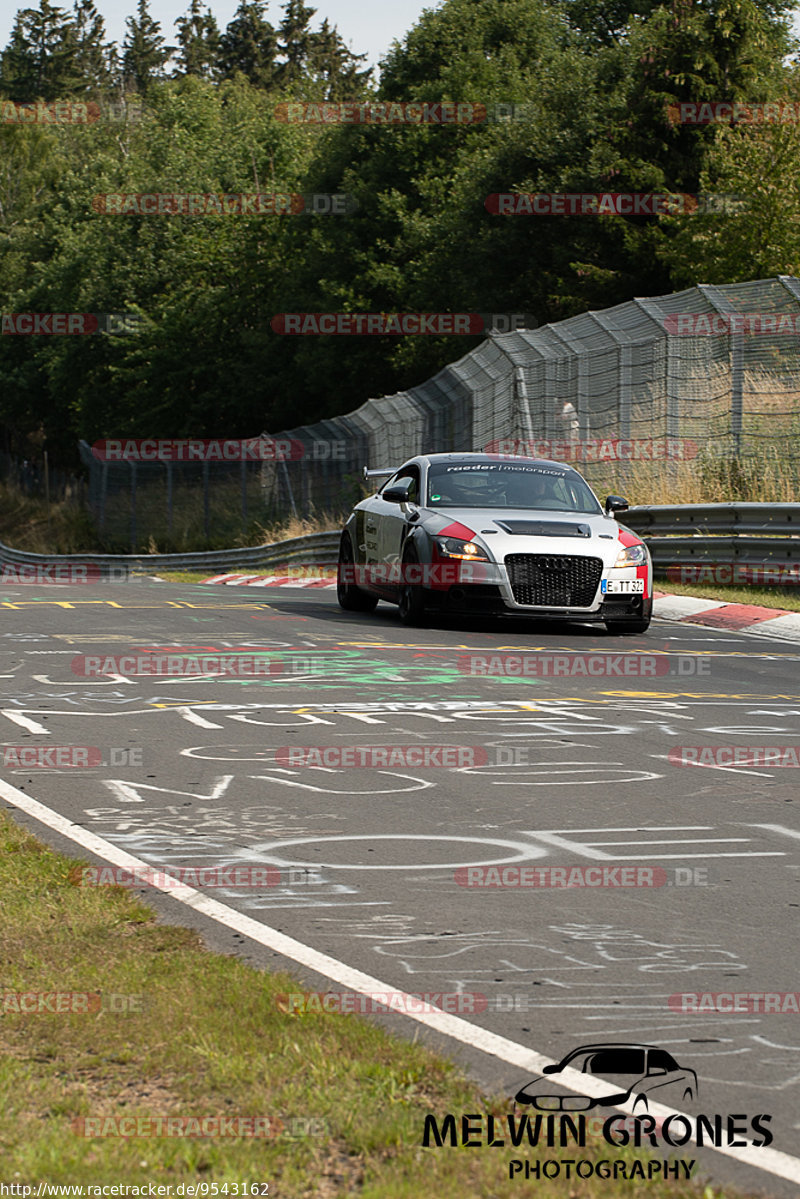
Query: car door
{"x":394,"y":518}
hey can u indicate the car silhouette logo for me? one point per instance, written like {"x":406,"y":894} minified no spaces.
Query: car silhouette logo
{"x":632,"y":1072}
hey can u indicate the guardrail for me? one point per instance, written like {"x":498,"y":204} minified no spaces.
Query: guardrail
{"x":319,"y":548}
{"x":750,"y":534}
{"x":753,"y":534}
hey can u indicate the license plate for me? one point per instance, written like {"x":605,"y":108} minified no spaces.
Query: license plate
{"x":622,"y":587}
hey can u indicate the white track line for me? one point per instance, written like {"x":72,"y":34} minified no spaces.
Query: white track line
{"x":773,"y":1161}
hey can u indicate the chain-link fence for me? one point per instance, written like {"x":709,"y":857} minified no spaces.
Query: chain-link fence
{"x":36,"y":479}
{"x":656,"y":391}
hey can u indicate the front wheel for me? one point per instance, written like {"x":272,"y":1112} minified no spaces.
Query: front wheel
{"x":351,"y":597}
{"x":411,"y":603}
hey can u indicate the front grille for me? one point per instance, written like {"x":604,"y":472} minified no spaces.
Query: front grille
{"x":553,"y":581}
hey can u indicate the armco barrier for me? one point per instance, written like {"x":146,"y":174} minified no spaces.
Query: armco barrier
{"x":753,"y":534}
{"x":749,"y":534}
{"x":319,"y":548}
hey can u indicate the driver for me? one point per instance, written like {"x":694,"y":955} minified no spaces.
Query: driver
{"x":528,"y":490}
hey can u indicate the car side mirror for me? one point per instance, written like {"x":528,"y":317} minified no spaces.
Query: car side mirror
{"x":657,"y":1070}
{"x":395,"y":495}
{"x":615,"y":503}
{"x":550,"y":1069}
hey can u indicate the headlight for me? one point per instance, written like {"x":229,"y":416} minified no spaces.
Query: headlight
{"x":452,"y":547}
{"x":633,"y":555}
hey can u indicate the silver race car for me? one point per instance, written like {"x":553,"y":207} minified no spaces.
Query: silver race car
{"x":483,"y":533}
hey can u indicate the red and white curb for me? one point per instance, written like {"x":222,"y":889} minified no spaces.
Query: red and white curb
{"x":324,"y":581}
{"x":716,"y":614}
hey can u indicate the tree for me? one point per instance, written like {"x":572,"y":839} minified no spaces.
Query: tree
{"x":756,"y":234}
{"x":143,"y":51}
{"x":95,"y":60}
{"x":334,"y":66}
{"x":296,"y":41}
{"x":198,"y":39}
{"x":249,"y":45}
{"x":39,"y":62}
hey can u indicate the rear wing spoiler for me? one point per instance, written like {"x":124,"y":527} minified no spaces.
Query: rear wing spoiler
{"x":381,"y":470}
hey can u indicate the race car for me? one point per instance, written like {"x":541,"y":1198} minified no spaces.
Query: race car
{"x":486,"y":533}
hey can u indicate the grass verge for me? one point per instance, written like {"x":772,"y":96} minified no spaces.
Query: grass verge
{"x":206,"y":1035}
{"x":765,"y":597}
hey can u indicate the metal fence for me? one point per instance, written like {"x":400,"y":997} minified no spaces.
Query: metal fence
{"x":34,"y":478}
{"x":660,"y":385}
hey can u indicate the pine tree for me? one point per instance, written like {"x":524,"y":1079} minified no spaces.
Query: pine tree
{"x":95,"y":59}
{"x":334,"y":66}
{"x":143,"y":51}
{"x":198,"y":38}
{"x":296,"y":41}
{"x":249,"y":44}
{"x":39,"y":62}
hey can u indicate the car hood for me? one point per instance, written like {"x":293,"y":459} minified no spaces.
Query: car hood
{"x":533,"y":531}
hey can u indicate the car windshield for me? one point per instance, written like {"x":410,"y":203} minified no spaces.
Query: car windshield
{"x":508,"y":485}
{"x":616,"y":1059}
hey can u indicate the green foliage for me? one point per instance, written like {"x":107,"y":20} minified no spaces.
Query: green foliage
{"x":594,"y":85}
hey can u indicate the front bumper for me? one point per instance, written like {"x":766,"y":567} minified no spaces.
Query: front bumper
{"x":486,"y":587}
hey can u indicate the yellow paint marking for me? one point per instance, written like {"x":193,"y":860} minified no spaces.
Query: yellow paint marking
{"x":115,"y":604}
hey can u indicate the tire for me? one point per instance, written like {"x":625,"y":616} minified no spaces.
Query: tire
{"x":627,"y":628}
{"x":640,"y":1099}
{"x":411,"y":603}
{"x":688,"y":1094}
{"x":351,"y":597}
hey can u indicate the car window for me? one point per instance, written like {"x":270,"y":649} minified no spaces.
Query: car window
{"x":657,"y":1059}
{"x":616,"y":1061}
{"x":407,"y":476}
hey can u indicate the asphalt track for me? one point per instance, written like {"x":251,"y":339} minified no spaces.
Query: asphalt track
{"x":368,"y":864}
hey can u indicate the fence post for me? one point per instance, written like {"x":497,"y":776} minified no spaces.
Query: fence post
{"x":102,"y":505}
{"x":205,"y":498}
{"x":168,"y":465}
{"x":737,"y":388}
{"x":624,"y":419}
{"x":243,"y":478}
{"x":133,"y":506}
